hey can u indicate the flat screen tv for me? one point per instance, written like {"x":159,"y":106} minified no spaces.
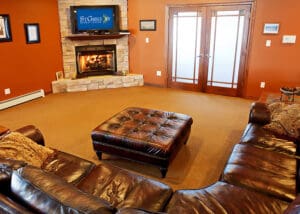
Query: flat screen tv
{"x":95,"y":19}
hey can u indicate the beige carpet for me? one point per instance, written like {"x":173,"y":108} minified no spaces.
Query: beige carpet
{"x":66,"y":121}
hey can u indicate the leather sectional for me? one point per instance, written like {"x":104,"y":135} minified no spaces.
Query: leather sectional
{"x":260,"y":176}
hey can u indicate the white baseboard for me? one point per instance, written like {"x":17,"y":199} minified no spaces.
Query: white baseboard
{"x":21,"y":99}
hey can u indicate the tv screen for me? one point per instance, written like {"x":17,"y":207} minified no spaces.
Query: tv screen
{"x":94,"y":19}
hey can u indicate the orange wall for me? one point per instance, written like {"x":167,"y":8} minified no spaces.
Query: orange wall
{"x":277,"y":66}
{"x":28,"y":67}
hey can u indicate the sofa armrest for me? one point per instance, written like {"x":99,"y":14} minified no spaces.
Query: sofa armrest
{"x":33,"y":133}
{"x":259,"y":113}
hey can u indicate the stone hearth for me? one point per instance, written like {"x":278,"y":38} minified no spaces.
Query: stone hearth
{"x":97,"y":82}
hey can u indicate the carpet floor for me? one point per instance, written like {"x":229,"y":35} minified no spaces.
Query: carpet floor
{"x":67,"y":119}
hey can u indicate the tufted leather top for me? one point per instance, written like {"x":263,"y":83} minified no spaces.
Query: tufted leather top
{"x":150,"y":131}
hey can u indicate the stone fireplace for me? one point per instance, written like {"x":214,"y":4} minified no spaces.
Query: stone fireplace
{"x":90,"y":64}
{"x":94,"y":60}
{"x":68,"y":45}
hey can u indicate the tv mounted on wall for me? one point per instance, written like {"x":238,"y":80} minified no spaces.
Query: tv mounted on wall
{"x":96,"y":19}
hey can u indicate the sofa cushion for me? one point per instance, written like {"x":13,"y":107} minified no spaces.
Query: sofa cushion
{"x":265,"y":171}
{"x":47,"y":193}
{"x":255,"y":135}
{"x":7,"y":205}
{"x":285,"y":120}
{"x":223,"y":198}
{"x":125,"y":189}
{"x":16,"y":146}
{"x":6,"y":167}
{"x":129,"y":210}
{"x":67,"y":166}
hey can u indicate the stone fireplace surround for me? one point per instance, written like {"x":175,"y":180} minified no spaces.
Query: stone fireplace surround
{"x":68,"y":50}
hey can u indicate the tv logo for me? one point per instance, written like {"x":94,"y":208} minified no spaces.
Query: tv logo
{"x":94,"y":19}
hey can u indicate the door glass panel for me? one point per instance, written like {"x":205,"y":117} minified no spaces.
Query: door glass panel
{"x":186,"y":46}
{"x":225,"y":49}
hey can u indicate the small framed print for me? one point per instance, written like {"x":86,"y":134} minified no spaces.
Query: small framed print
{"x":5,"y":32}
{"x":32,"y":32}
{"x":271,"y":28}
{"x":59,"y":75}
{"x":148,"y":25}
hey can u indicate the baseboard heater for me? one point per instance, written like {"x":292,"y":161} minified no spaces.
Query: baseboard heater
{"x":21,"y":99}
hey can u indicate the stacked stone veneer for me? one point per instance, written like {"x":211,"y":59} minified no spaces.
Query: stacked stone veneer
{"x":68,"y":49}
{"x":99,"y":82}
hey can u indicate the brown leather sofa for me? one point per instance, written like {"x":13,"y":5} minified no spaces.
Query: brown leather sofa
{"x":69,"y":184}
{"x":260,"y":176}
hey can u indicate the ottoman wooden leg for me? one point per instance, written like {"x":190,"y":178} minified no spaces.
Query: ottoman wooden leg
{"x":99,"y":154}
{"x":163,"y":171}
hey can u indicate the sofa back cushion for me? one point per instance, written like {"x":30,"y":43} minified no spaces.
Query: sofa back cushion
{"x":269,"y":172}
{"x":47,"y":193}
{"x":67,"y":166}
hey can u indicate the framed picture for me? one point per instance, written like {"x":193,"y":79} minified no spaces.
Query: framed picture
{"x":59,"y":75}
{"x":32,"y":32}
{"x":5,"y":32}
{"x":271,"y":28}
{"x":147,"y":25}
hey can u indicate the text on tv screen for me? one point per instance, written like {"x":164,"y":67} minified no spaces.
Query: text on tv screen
{"x":95,"y":19}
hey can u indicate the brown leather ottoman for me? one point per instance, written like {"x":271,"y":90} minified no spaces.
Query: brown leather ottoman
{"x":144,"y":135}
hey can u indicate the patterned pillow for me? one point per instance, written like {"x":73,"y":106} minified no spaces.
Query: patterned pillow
{"x":285,"y":119}
{"x":18,"y":147}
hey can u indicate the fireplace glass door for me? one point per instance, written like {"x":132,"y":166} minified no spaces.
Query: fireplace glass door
{"x":96,"y":60}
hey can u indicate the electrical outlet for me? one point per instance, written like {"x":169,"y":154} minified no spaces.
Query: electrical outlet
{"x":262,"y":84}
{"x":158,"y":73}
{"x":7,"y":91}
{"x":147,"y":40}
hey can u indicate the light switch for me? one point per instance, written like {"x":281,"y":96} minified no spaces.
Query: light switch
{"x":147,"y":40}
{"x":290,"y":39}
{"x":268,"y":43}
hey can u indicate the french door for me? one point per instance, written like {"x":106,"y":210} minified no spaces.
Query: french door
{"x":207,"y":48}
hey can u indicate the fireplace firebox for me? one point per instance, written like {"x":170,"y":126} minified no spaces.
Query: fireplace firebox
{"x":93,"y":60}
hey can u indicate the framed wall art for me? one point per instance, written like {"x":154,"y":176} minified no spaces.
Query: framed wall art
{"x":5,"y":32}
{"x":271,"y":28}
{"x":32,"y":32}
{"x":147,"y":25}
{"x":59,"y":75}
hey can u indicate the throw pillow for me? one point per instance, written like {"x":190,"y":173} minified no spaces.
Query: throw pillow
{"x":285,"y":119}
{"x":18,"y":147}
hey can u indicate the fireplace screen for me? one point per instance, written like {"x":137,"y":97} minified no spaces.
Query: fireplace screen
{"x":95,"y":60}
